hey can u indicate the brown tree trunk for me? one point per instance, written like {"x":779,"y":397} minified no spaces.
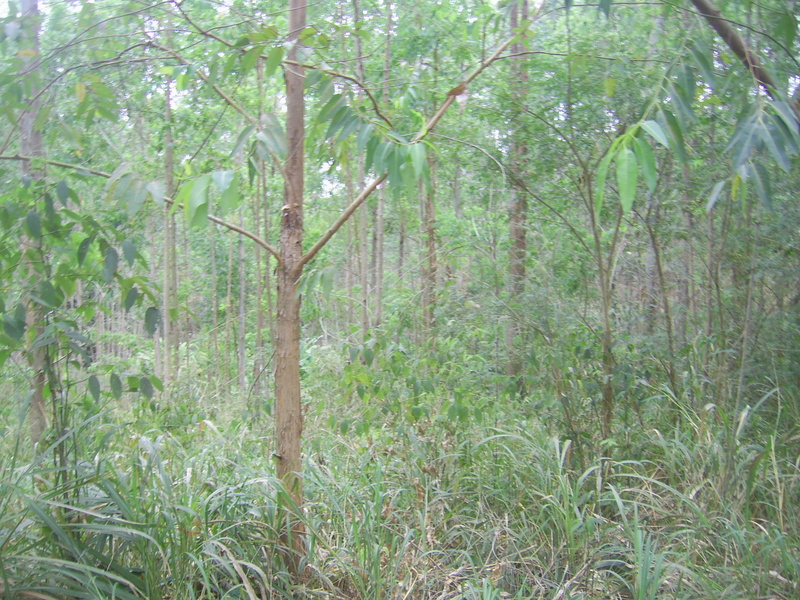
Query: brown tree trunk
{"x":241,"y":349}
{"x":215,"y":310}
{"x":288,"y":409}
{"x":170,"y":321}
{"x":518,"y":213}
{"x":379,"y":224}
{"x":31,"y":145}
{"x":429,"y":275}
{"x":364,"y":210}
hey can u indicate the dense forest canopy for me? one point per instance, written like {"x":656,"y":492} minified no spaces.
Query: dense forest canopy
{"x":420,"y":299}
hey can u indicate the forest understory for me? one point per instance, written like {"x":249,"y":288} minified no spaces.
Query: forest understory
{"x":283,"y":317}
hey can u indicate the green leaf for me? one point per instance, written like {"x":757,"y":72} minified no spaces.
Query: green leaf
{"x":197,"y":208}
{"x":372,"y":146}
{"x":714,"y":196}
{"x":704,"y":61}
{"x":773,"y":136}
{"x":364,"y":136}
{"x":116,"y":386}
{"x":647,"y":161}
{"x":132,"y":193}
{"x":94,"y":387}
{"x":157,"y":383}
{"x":83,"y":249}
{"x":350,"y":125}
{"x":787,"y":114}
{"x":627,"y":174}
{"x":273,"y":60}
{"x":158,"y":191}
{"x":605,"y":7}
{"x":681,"y":102}
{"x":41,"y":118}
{"x":130,"y":298}
{"x":273,"y":136}
{"x":110,"y":264}
{"x":230,"y":197}
{"x":609,"y":86}
{"x":62,"y":191}
{"x":336,"y":102}
{"x":14,"y":328}
{"x":785,"y":27}
{"x":675,"y":134}
{"x":409,"y":178}
{"x":602,"y":173}
{"x":747,"y":133}
{"x":242,"y":139}
{"x":129,"y":252}
{"x":222,"y":179}
{"x":338,"y":120}
{"x":152,"y":317}
{"x":46,"y":295}
{"x":33,"y":223}
{"x":417,"y":154}
{"x":655,"y":131}
{"x":146,"y":388}
{"x":763,"y":187}
{"x":383,"y":154}
{"x":791,"y":139}
{"x":250,"y":57}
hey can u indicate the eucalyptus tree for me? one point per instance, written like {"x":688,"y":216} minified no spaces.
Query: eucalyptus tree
{"x":189,"y":54}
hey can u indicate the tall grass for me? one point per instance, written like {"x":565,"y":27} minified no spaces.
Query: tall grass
{"x":427,"y":509}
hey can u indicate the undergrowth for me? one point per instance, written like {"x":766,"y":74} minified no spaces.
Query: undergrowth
{"x":429,"y":508}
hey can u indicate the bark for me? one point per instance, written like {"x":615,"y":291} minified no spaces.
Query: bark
{"x":740,"y":48}
{"x":215,"y":310}
{"x":379,"y":219}
{"x":518,"y":211}
{"x":242,"y":350}
{"x":364,"y":216}
{"x":31,"y":145}
{"x":288,"y":409}
{"x":171,"y":343}
{"x":429,"y":275}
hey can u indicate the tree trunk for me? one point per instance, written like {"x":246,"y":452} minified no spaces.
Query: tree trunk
{"x":31,"y":145}
{"x":171,"y":343}
{"x":241,"y":349}
{"x":364,"y":216}
{"x":429,"y":276}
{"x":288,"y":409}
{"x":380,"y":217}
{"x":215,"y":310}
{"x":518,"y":212}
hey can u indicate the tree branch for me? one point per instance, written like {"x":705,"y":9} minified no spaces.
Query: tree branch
{"x":268,"y":247}
{"x":320,"y":243}
{"x":738,"y":46}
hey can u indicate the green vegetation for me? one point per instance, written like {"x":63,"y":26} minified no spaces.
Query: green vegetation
{"x":284,"y":318}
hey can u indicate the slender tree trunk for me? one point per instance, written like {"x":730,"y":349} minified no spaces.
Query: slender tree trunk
{"x":215,"y":309}
{"x":171,"y":343}
{"x":288,"y":409}
{"x":228,"y":323}
{"x":379,"y":224}
{"x":401,"y":243}
{"x":259,"y":200}
{"x":241,"y":346}
{"x":662,"y":284}
{"x":518,"y":211}
{"x":429,"y":275}
{"x":364,"y":210}
{"x":31,"y":145}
